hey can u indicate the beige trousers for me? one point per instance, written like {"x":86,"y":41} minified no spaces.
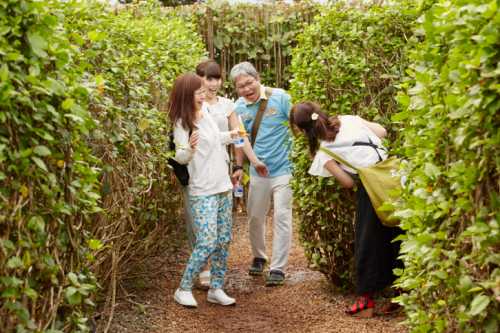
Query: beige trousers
{"x":261,"y":190}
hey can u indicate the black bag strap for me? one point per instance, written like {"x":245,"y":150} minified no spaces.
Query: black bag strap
{"x":369,"y":144}
{"x":260,"y":114}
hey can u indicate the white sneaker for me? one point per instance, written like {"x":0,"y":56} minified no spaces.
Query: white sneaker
{"x":219,"y":296}
{"x":205,"y":279}
{"x":185,"y":298}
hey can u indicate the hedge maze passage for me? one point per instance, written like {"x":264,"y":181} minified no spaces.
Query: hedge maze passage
{"x":91,"y":231}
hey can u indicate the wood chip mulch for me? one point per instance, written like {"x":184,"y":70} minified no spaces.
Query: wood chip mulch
{"x":306,"y":303}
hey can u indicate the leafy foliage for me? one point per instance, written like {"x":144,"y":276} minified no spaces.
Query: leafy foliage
{"x":177,"y":2}
{"x":132,"y":57}
{"x":348,"y":61}
{"x":263,"y":34}
{"x":450,"y":208}
{"x":83,"y":182}
{"x":48,"y":186}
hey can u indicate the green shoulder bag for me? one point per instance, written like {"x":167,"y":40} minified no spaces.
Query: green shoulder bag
{"x":382,"y":182}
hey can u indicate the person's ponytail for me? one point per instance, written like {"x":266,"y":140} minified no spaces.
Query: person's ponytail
{"x":315,"y":124}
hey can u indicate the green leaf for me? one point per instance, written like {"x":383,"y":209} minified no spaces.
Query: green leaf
{"x":14,"y":262}
{"x":96,"y":36}
{"x":38,"y":44}
{"x":40,"y":163}
{"x":4,"y":72}
{"x":73,"y":278}
{"x":68,"y":103}
{"x":95,"y":244}
{"x":42,"y":151}
{"x":31,"y":293}
{"x":73,"y":296}
{"x":10,"y":293}
{"x":37,"y":224}
{"x":479,"y":304}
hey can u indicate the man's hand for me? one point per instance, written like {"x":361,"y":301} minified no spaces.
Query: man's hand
{"x":261,"y":169}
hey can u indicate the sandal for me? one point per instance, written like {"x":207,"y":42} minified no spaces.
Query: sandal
{"x":363,"y":307}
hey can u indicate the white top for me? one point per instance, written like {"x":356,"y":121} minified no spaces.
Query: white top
{"x":352,"y":129}
{"x":220,"y":112}
{"x":207,"y":164}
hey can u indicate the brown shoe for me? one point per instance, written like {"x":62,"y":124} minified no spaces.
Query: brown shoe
{"x":390,"y":308}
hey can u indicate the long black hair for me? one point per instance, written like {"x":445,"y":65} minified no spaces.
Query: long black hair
{"x":308,"y":118}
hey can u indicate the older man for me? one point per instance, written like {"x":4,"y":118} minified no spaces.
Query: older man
{"x":264,"y":113}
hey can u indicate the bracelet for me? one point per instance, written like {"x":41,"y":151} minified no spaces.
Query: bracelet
{"x":237,"y":167}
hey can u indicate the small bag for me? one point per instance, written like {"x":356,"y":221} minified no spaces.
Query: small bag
{"x":381,"y":181}
{"x":180,"y":170}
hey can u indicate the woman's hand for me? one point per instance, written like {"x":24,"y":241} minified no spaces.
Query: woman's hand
{"x":193,"y":139}
{"x":234,"y":133}
{"x":237,"y":176}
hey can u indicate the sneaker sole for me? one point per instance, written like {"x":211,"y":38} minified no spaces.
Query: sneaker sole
{"x":274,"y":283}
{"x":214,"y":301}
{"x":255,"y":273}
{"x":184,"y":305}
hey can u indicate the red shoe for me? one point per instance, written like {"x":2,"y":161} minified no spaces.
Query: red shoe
{"x":363,"y":307}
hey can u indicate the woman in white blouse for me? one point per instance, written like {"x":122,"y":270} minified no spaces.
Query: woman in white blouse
{"x":221,"y":109}
{"x":199,"y":144}
{"x":359,"y":142}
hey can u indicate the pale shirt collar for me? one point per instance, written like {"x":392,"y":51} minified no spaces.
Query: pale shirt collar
{"x":262,"y":96}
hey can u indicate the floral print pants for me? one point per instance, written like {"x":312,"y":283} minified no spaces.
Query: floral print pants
{"x":212,"y":224}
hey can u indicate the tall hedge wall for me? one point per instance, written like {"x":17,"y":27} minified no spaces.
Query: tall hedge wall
{"x":83,"y":181}
{"x":262,"y":33}
{"x":48,"y":183}
{"x":348,"y":61}
{"x":451,"y":139}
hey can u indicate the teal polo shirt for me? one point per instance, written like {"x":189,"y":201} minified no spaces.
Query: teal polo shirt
{"x":273,"y":142}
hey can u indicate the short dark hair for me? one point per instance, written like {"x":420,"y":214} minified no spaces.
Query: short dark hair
{"x":209,"y":69}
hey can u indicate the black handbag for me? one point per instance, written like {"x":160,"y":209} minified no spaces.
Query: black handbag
{"x":180,"y":170}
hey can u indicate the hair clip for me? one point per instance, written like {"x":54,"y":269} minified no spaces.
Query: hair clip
{"x":314,"y":116}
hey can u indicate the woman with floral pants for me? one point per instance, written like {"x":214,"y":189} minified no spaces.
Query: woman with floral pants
{"x":212,"y":222}
{"x":199,"y":144}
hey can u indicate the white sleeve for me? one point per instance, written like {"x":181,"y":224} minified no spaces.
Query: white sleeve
{"x":183,"y":151}
{"x":225,"y":138}
{"x":229,"y":105}
{"x":318,"y":165}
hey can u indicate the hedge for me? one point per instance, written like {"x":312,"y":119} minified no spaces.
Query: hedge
{"x":348,"y":61}
{"x":84,"y":185}
{"x":450,"y":210}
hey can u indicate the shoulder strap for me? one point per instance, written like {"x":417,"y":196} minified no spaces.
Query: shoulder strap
{"x":369,"y":144}
{"x":337,"y":158}
{"x":259,"y":115}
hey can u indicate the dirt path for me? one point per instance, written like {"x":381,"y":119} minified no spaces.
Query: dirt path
{"x":304,"y":304}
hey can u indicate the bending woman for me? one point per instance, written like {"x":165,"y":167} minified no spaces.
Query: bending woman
{"x":359,"y":142}
{"x":198,"y":144}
